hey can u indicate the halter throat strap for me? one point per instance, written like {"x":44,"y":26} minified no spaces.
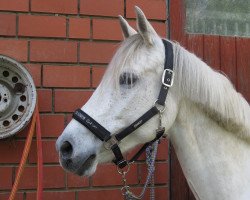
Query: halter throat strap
{"x":111,"y":142}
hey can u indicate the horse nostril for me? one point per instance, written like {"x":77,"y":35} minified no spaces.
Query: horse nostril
{"x":66,"y":149}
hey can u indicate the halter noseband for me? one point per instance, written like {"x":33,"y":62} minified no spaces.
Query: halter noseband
{"x":111,"y":141}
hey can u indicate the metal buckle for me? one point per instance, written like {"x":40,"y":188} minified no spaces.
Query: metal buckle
{"x":172,"y":77}
{"x":112,"y":141}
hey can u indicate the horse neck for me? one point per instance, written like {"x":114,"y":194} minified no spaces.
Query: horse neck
{"x":212,"y":91}
{"x":215,"y":162}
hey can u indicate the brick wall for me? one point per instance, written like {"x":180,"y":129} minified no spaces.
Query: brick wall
{"x":66,"y":45}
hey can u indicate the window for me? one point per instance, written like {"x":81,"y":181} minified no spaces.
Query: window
{"x":218,"y":17}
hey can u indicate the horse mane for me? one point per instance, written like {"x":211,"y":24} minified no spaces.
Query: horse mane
{"x":212,"y":91}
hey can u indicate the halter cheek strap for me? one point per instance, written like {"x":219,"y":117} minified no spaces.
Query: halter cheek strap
{"x":168,"y":73}
{"x":111,"y":142}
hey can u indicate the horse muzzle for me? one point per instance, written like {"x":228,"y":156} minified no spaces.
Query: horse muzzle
{"x":74,"y":160}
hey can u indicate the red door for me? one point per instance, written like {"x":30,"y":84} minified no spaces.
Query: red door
{"x":228,"y":54}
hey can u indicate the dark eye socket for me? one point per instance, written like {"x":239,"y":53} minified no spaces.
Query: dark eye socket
{"x":128,"y":79}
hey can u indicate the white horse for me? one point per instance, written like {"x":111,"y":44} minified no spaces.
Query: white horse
{"x":207,"y":121}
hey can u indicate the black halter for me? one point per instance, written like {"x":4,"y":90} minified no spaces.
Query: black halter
{"x":111,"y":141}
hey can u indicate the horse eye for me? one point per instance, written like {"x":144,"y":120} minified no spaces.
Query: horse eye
{"x":128,"y":79}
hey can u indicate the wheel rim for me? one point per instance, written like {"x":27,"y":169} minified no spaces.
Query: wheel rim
{"x":17,"y":97}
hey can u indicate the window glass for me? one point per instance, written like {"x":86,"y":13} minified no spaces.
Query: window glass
{"x":219,"y":17}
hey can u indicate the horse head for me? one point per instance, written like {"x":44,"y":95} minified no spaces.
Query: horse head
{"x":129,"y":88}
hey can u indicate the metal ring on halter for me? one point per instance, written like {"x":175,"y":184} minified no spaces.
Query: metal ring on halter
{"x":122,"y":171}
{"x":112,"y":141}
{"x":124,"y":190}
{"x":160,"y":108}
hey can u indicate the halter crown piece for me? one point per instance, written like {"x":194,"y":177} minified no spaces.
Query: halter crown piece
{"x":111,"y":142}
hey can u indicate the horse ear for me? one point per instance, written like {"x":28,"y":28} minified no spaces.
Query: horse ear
{"x":144,"y":27}
{"x":126,"y":29}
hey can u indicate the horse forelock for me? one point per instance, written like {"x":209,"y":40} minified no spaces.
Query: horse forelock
{"x":212,"y":92}
{"x":126,"y":51}
{"x":134,"y":56}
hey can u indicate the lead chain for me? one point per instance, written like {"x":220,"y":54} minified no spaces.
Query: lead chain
{"x":128,"y":195}
{"x":151,"y":152}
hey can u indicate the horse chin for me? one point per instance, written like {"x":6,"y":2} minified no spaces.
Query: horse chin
{"x":88,"y":168}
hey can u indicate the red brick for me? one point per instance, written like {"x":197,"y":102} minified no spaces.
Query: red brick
{"x":161,"y":173}
{"x":101,"y":194}
{"x":160,"y":27}
{"x":53,"y":51}
{"x":44,"y":100}
{"x":17,"y":49}
{"x":35,"y":71}
{"x":5,"y":196}
{"x":29,"y":178}
{"x":79,"y":28}
{"x":102,"y":175}
{"x":52,"y":125}
{"x":97,"y":52}
{"x":163,"y":148}
{"x":131,"y":153}
{"x":70,"y":100}
{"x":68,"y":118}
{"x":53,"y":177}
{"x":5,"y":178}
{"x":161,"y":193}
{"x":55,"y":6}
{"x":14,"y":5}
{"x":97,"y":74}
{"x":11,"y":151}
{"x":102,"y":7}
{"x":52,"y":195}
{"x":50,"y":154}
{"x":66,"y":76}
{"x":42,"y":26}
{"x":107,"y":29}
{"x":152,"y":9}
{"x":76,"y":181}
{"x":7,"y":24}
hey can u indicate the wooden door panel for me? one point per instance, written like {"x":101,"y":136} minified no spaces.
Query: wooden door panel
{"x":243,"y":66}
{"x":227,"y":54}
{"x":228,"y":57}
{"x":212,"y":51}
